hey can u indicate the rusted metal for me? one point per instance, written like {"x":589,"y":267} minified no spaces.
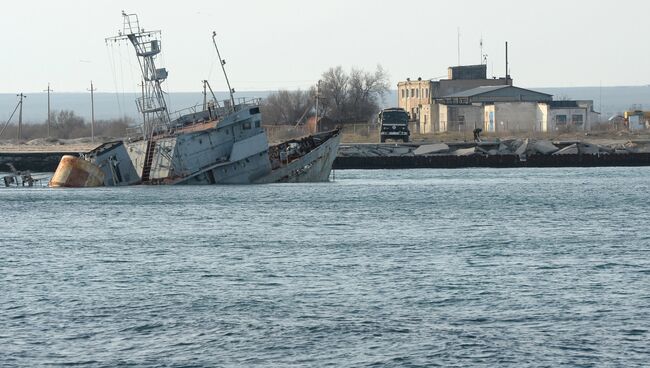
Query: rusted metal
{"x":75,"y":172}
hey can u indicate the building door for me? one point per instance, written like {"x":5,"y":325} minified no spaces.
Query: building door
{"x":491,"y":121}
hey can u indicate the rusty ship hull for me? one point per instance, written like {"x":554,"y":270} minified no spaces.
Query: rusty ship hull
{"x":234,"y":150}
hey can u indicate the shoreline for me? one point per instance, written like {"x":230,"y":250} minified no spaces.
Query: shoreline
{"x":371,"y":156}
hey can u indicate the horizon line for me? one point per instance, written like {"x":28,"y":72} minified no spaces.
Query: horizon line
{"x":282,"y":89}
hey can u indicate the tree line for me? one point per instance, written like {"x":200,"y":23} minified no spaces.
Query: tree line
{"x":65,"y":124}
{"x":343,"y":97}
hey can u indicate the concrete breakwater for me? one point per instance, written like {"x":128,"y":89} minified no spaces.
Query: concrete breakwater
{"x":501,"y":161}
{"x":38,"y":158}
{"x":32,"y":161}
{"x":497,"y":154}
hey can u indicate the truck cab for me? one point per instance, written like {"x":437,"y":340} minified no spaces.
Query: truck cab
{"x":393,"y":124}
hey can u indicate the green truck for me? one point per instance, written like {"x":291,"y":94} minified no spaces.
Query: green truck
{"x":394,"y":123}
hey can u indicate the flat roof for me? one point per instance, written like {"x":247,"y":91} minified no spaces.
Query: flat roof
{"x":476,"y":91}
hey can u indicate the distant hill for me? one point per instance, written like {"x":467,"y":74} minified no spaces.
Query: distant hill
{"x":614,"y":99}
{"x":112,"y":105}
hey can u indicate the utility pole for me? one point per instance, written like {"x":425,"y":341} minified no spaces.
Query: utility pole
{"x":317,"y":98}
{"x":20,"y":116}
{"x":600,"y":100}
{"x":92,"y":112}
{"x":48,"y":90}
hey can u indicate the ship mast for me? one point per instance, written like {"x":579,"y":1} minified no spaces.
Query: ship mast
{"x":231,"y":90}
{"x":152,"y":104}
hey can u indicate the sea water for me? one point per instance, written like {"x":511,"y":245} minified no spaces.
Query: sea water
{"x":476,"y":267}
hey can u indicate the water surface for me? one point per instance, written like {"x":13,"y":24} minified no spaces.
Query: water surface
{"x":476,"y":267}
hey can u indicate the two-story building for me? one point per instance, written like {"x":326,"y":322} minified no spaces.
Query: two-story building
{"x":468,"y":100}
{"x":418,"y":97}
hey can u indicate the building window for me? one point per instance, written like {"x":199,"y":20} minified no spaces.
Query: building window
{"x":403,"y":94}
{"x":412,"y":92}
{"x":560,"y":119}
{"x":576,"y":119}
{"x":417,"y":93}
{"x":427,"y":92}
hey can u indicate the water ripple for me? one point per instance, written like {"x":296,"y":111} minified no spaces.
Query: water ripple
{"x":479,"y":267}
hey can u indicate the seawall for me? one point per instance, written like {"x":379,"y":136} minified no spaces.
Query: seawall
{"x":48,"y":161}
{"x":32,"y":161}
{"x":496,"y":161}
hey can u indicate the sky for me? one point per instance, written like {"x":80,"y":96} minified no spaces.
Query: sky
{"x":288,"y":44}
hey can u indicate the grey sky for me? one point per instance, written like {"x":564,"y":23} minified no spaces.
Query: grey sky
{"x":288,"y":44}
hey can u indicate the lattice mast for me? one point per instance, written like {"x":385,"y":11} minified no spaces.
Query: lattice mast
{"x":152,"y":104}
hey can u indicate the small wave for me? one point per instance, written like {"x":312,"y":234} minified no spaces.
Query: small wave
{"x":143,"y":328}
{"x":115,"y":261}
{"x":82,"y":362}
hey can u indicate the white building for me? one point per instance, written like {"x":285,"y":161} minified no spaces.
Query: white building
{"x":508,"y":108}
{"x":468,"y":100}
{"x":417,"y":97}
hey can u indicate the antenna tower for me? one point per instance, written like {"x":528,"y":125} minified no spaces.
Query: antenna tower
{"x":152,"y":104}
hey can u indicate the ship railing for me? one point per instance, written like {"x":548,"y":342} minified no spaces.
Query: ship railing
{"x":212,"y":110}
{"x":246,"y":101}
{"x":195,"y":114}
{"x":240,"y":103}
{"x":185,"y":111}
{"x":134,"y":133}
{"x":144,"y":131}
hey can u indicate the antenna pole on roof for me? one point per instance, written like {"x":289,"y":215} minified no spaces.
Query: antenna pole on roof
{"x":458,"y":32}
{"x":507,"y":74}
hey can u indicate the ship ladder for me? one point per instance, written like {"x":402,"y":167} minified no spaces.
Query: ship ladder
{"x":148,"y":160}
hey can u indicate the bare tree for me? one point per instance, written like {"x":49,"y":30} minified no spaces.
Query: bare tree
{"x":286,"y":107}
{"x":353,"y":97}
{"x":364,"y":91}
{"x":334,"y":91}
{"x":113,"y":127}
{"x":67,"y":125}
{"x":344,"y":98}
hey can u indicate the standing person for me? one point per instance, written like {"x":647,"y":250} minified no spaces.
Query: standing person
{"x":477,"y":134}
